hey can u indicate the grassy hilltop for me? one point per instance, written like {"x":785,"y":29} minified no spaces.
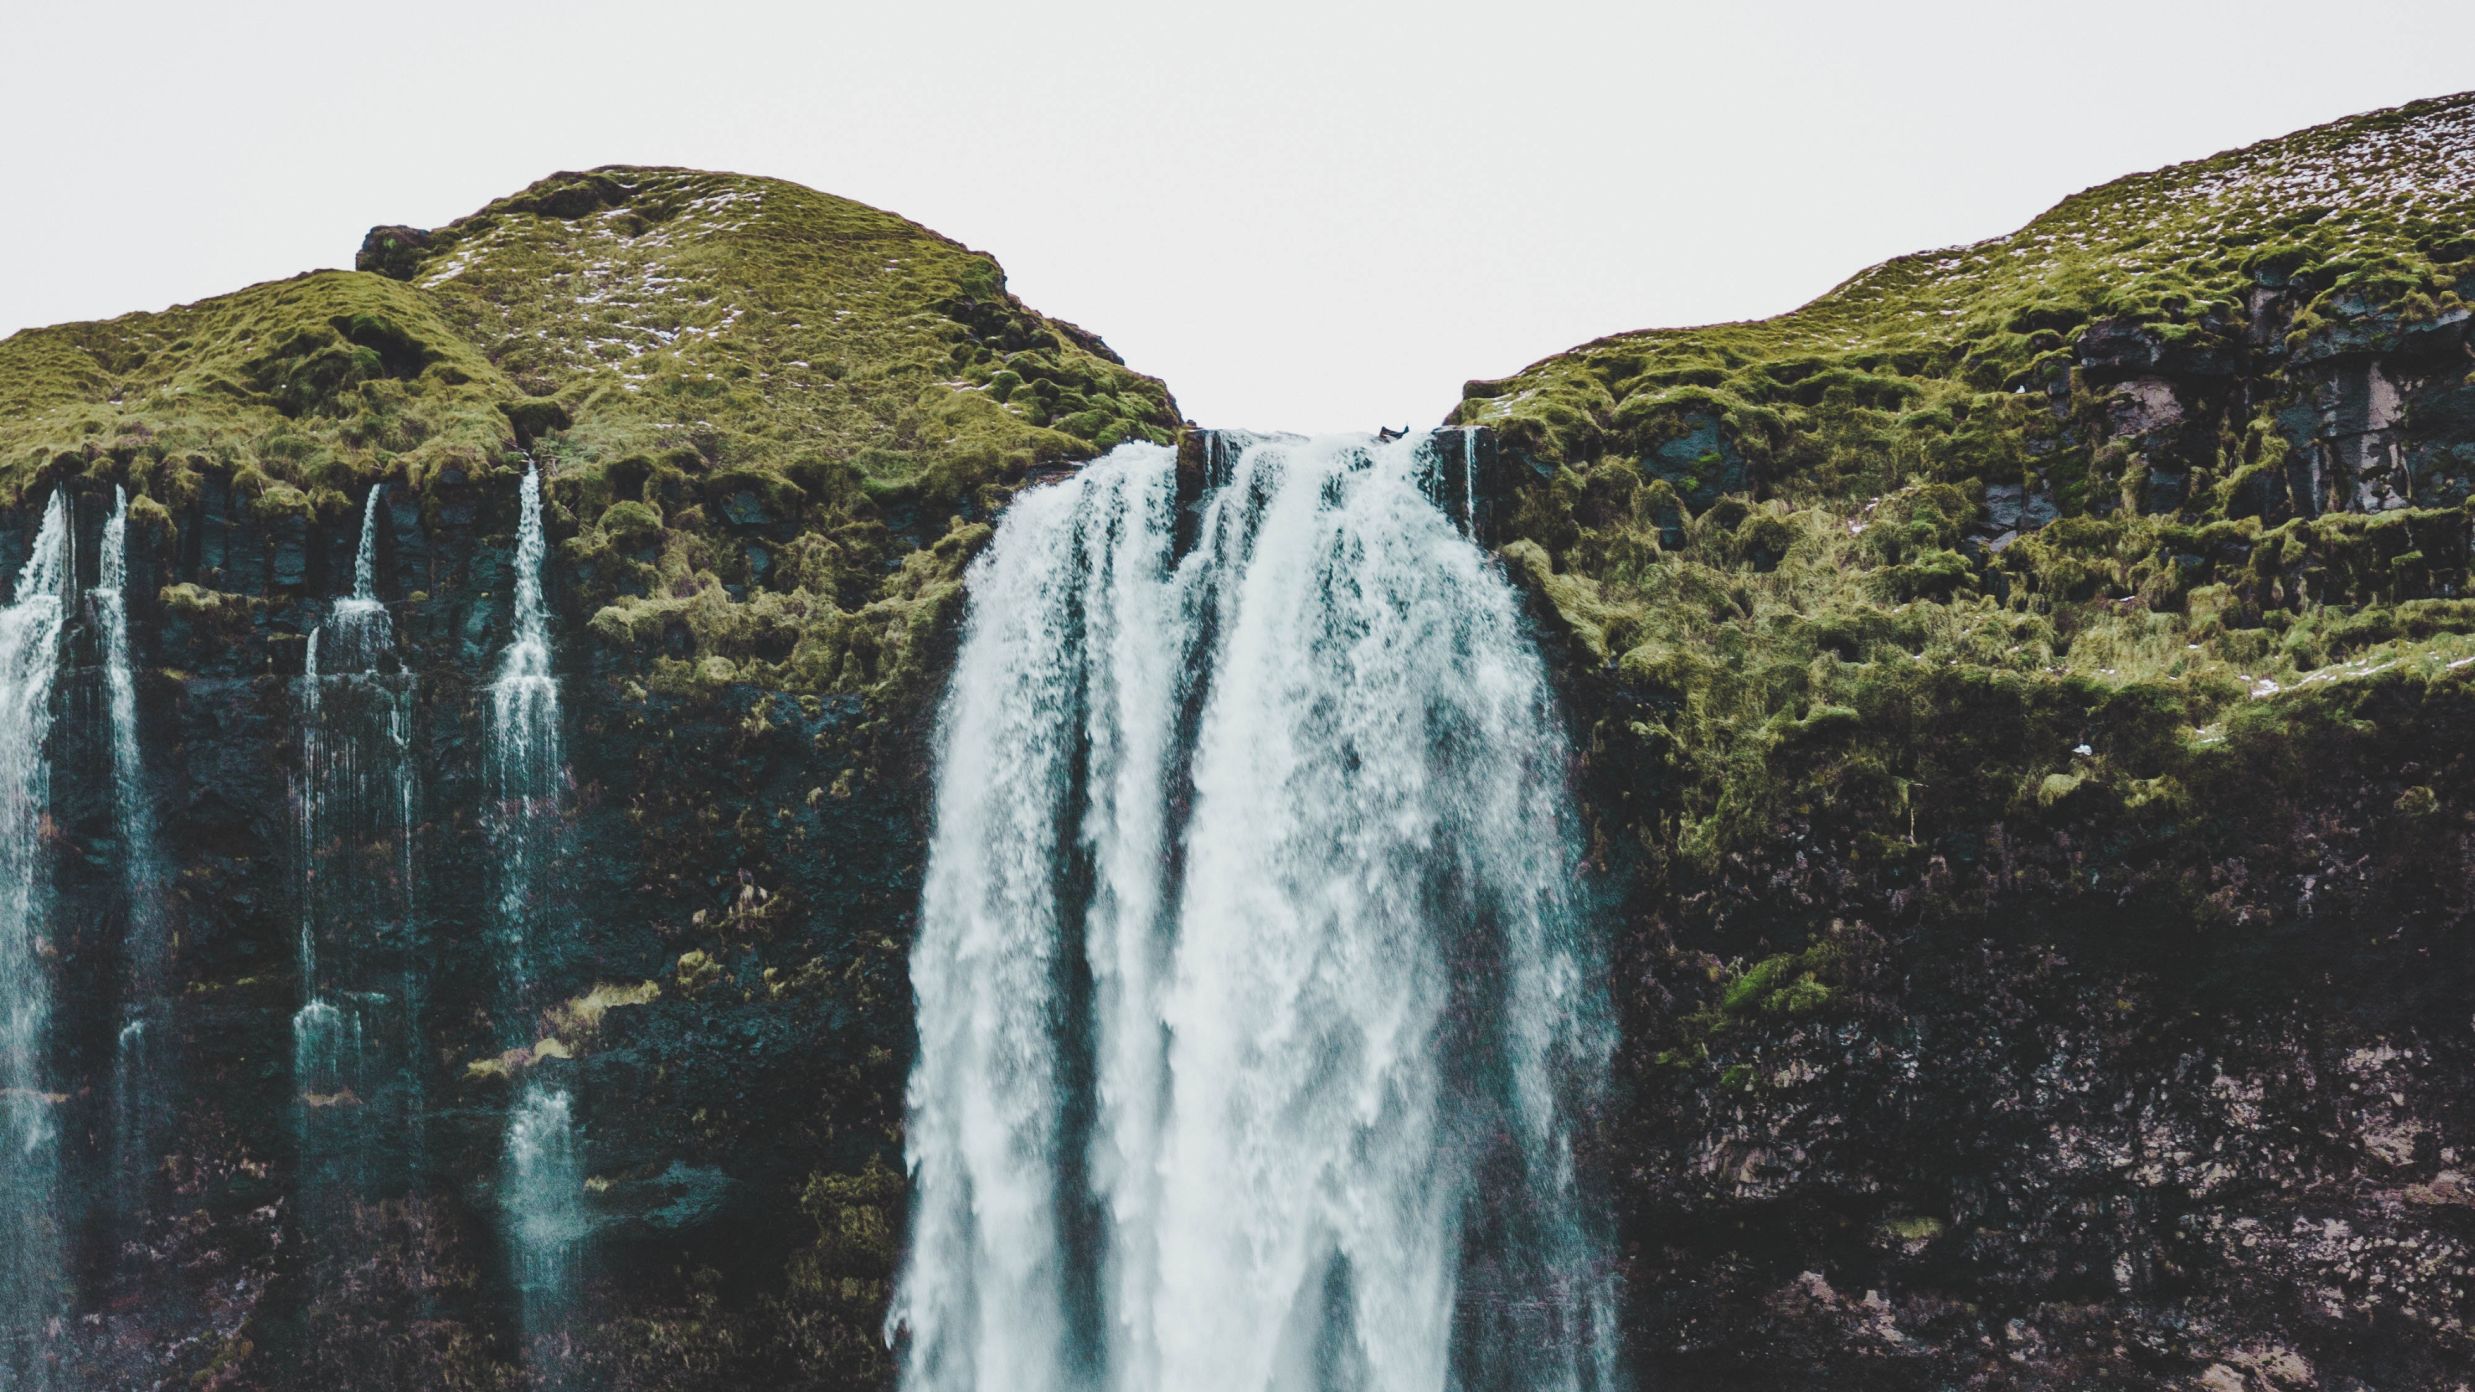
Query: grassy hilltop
{"x":696,"y":358}
{"x":2179,"y":465}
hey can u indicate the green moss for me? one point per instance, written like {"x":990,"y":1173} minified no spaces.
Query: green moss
{"x":630,"y":523}
{"x":1589,"y":623}
{"x":1913,"y":1228}
{"x":839,"y":1283}
{"x":282,"y":500}
{"x":1787,"y":984}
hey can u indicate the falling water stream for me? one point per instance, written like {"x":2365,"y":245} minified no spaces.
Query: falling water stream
{"x":31,"y":1282}
{"x":1255,"y":1013}
{"x":542,"y":1174}
{"x":354,"y":1051}
{"x":140,"y":1101}
{"x":525,"y":764}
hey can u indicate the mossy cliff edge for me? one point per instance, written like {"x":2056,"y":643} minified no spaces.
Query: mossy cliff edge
{"x":2023,"y":700}
{"x":771,"y":420}
{"x":2024,"y":706}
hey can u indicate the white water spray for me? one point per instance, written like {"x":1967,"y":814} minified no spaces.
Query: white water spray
{"x":542,"y":1176}
{"x":1292,"y":1110}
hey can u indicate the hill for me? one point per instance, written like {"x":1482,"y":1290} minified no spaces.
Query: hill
{"x":760,"y":409}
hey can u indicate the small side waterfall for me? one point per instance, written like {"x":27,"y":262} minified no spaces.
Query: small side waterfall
{"x":140,"y":1104}
{"x":32,"y":1282}
{"x":525,"y":765}
{"x":355,"y":1055}
{"x":542,"y":1175}
{"x":1255,"y":1013}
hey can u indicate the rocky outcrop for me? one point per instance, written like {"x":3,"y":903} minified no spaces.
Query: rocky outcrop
{"x":393,"y":251}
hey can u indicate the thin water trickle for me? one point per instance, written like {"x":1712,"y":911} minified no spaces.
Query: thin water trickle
{"x":140,"y":1100}
{"x":1247,"y":948}
{"x":365,"y":556}
{"x":356,"y":1061}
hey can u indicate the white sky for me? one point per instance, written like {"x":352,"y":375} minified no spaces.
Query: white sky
{"x":1317,"y":216}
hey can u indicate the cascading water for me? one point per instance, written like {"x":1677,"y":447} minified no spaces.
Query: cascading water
{"x":32,"y":1285}
{"x":525,"y":766}
{"x":355,"y":1066}
{"x":1255,"y":1013}
{"x":140,"y":1105}
{"x":542,"y":1177}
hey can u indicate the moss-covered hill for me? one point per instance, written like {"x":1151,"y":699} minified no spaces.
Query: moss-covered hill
{"x":768,"y":416}
{"x":1959,"y":365}
{"x":2186,"y":443}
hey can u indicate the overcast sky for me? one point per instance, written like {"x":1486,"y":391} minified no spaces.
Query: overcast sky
{"x":1318,"y":216}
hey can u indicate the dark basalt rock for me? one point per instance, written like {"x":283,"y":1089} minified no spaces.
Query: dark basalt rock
{"x":1701,"y":462}
{"x":2092,"y":1100}
{"x":392,"y":251}
{"x":2114,"y":350}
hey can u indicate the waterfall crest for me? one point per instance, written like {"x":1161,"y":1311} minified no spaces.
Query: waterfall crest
{"x":1254,"y":1010}
{"x":31,"y":1278}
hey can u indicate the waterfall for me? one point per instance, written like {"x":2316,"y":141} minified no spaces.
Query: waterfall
{"x":140,"y":1105}
{"x":32,"y":1284}
{"x":1254,"y":1010}
{"x":524,"y":759}
{"x":355,"y":1053}
{"x":542,"y":1176}
{"x":365,"y":556}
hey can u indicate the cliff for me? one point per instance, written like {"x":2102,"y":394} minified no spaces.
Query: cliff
{"x":773,"y":425}
{"x":2023,"y":699}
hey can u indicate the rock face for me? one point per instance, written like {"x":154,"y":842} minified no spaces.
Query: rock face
{"x":739,"y":874}
{"x":2074,"y":1101}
